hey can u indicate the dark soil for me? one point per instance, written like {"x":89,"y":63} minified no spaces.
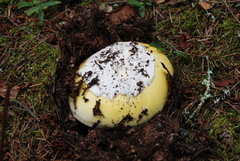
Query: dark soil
{"x":88,"y":31}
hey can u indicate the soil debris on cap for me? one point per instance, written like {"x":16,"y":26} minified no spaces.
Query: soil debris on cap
{"x":96,"y":109}
{"x":129,"y":70}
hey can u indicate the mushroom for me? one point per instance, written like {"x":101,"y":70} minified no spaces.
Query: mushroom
{"x":124,"y":84}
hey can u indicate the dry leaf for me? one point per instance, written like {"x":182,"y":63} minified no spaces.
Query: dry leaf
{"x":13,"y":92}
{"x":182,"y":41}
{"x":176,"y":125}
{"x":205,"y":5}
{"x":123,"y":13}
{"x":159,"y":1}
{"x":225,"y":83}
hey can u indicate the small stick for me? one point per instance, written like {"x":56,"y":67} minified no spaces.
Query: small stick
{"x":34,"y":37}
{"x":4,"y":118}
{"x":231,"y":11}
{"x":10,"y":37}
{"x":27,"y":109}
{"x":36,"y":85}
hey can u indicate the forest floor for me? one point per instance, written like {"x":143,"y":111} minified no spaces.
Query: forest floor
{"x":201,"y":120}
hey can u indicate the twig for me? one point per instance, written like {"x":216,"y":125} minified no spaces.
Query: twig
{"x":4,"y":118}
{"x":235,"y":85}
{"x":18,"y":108}
{"x":36,"y":85}
{"x":222,"y":2}
{"x":34,"y":37}
{"x":231,"y":11}
{"x":232,"y":106}
{"x":27,"y":109}
{"x":10,"y":37}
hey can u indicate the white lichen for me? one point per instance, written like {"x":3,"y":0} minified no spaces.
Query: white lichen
{"x":206,"y":95}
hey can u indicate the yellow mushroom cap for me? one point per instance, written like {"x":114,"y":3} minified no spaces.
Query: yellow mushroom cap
{"x":123,"y":84}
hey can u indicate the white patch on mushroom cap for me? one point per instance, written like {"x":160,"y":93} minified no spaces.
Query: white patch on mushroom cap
{"x":122,"y":68}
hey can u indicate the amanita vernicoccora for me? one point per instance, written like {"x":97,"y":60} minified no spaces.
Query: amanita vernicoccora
{"x":123,"y":84}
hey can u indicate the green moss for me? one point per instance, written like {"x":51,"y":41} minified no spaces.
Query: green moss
{"x":228,"y":123}
{"x":3,"y":41}
{"x":37,"y":134}
{"x":33,"y":64}
{"x":191,"y":20}
{"x":228,"y":29}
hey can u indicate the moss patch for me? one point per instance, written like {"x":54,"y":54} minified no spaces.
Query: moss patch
{"x":226,"y":128}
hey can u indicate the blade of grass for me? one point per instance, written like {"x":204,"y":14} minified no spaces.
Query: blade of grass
{"x":157,"y":45}
{"x":49,"y":3}
{"x":23,"y":4}
{"x":180,"y":53}
{"x":134,"y":3}
{"x":41,"y":16}
{"x":33,"y":10}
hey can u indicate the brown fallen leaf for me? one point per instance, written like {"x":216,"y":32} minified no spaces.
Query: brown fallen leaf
{"x":205,"y":5}
{"x":225,"y":83}
{"x":176,"y":125}
{"x":52,"y":39}
{"x":182,"y":42}
{"x":13,"y":92}
{"x":159,"y":1}
{"x":121,"y":14}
